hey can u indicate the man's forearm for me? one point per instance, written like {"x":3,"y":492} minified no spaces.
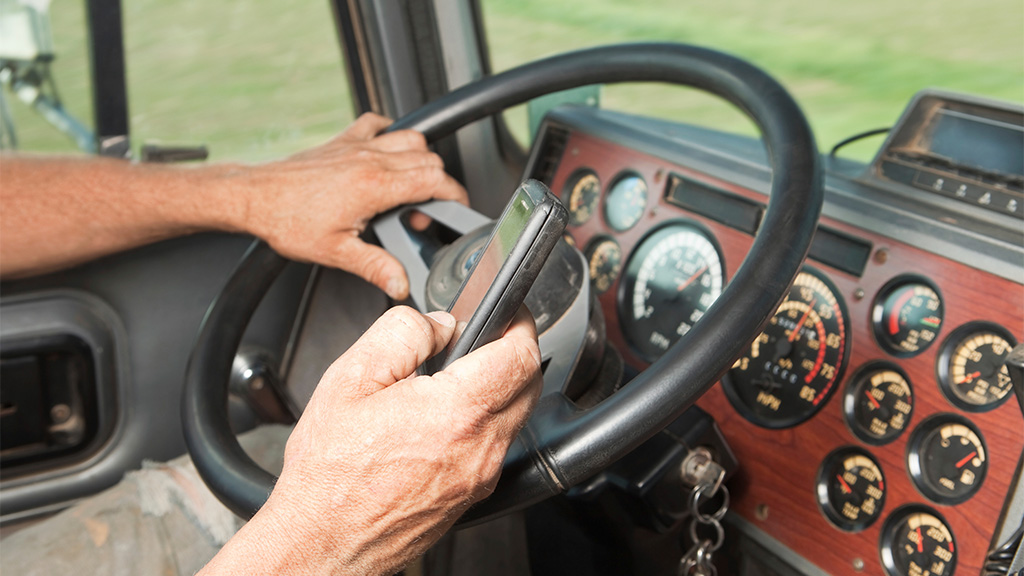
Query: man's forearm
{"x":58,"y":212}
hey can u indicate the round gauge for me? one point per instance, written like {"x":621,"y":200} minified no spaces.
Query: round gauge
{"x":907,"y":315}
{"x":604,"y":259}
{"x":671,"y":279}
{"x":971,"y":366}
{"x":627,"y":200}
{"x":791,"y":368}
{"x":947,"y":459}
{"x":851,"y":489}
{"x":916,"y":541}
{"x":878,"y":403}
{"x":581,"y":193}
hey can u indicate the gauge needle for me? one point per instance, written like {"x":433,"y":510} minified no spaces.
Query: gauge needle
{"x":846,"y":487}
{"x":920,"y":540}
{"x":894,"y":320}
{"x":969,"y":377}
{"x":872,"y":398}
{"x":966,"y":459}
{"x":796,"y":331}
{"x":692,"y":278}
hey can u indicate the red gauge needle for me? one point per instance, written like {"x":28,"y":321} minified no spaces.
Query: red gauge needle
{"x":894,"y":320}
{"x":796,"y":331}
{"x":846,"y":487}
{"x":920,"y":540}
{"x":872,"y":398}
{"x":969,"y":377}
{"x":692,"y":278}
{"x":966,"y":459}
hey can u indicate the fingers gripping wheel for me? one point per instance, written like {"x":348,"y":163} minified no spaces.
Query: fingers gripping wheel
{"x":562,"y":444}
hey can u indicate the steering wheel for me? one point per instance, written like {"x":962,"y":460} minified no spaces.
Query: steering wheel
{"x":562,"y":444}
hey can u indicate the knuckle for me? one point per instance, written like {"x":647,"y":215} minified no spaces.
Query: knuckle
{"x":409,"y":328}
{"x":366,"y":157}
{"x":412,"y":320}
{"x":523,"y":358}
{"x":430,"y":177}
{"x":413,"y":139}
{"x":433,"y":159}
{"x":375,"y":269}
{"x":371,"y":117}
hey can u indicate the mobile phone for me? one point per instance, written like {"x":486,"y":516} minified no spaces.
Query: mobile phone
{"x":530,"y":226}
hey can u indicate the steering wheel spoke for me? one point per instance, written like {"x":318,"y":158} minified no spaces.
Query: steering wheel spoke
{"x":396,"y":235}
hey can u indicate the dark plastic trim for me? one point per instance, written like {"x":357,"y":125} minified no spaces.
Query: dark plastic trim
{"x":109,"y":89}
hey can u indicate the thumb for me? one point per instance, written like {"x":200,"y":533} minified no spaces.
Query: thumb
{"x":390,"y":350}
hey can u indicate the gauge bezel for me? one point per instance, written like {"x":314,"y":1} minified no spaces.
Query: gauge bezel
{"x":821,"y":489}
{"x":850,"y":397}
{"x":740,"y":406}
{"x":624,"y":294}
{"x":945,"y":355}
{"x":588,"y":253}
{"x":606,"y":197}
{"x":571,"y":182}
{"x":878,"y":313}
{"x":895,"y":520}
{"x":915,"y":464}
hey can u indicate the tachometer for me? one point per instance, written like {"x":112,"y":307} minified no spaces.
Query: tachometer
{"x":671,"y":279}
{"x":792,"y":367}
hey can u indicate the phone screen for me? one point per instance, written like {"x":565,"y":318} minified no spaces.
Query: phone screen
{"x":531,"y":224}
{"x":490,"y":261}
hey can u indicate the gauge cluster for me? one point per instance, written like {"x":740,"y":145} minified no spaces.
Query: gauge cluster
{"x":858,"y":411}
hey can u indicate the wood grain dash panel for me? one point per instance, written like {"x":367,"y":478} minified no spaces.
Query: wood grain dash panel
{"x":779,"y":467}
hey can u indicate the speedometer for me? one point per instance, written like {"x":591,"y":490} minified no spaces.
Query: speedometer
{"x":671,"y":279}
{"x":792,"y":368}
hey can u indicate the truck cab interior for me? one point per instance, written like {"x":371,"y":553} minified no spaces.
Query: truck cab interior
{"x":780,"y":336}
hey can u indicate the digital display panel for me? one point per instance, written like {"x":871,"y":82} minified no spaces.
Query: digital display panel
{"x":981,"y":143}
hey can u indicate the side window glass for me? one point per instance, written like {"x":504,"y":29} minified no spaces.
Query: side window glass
{"x":250,"y":81}
{"x":45,"y":100}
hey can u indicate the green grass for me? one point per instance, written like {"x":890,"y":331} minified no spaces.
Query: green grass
{"x":851,"y":65}
{"x":251,"y":80}
{"x":258,"y":80}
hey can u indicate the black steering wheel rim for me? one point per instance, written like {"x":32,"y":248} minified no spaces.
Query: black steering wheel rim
{"x":561,"y":445}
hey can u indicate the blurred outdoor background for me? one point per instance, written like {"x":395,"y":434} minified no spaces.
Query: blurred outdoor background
{"x":259,"y":80}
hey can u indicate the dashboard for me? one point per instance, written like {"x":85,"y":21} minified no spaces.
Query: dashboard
{"x":873,"y":420}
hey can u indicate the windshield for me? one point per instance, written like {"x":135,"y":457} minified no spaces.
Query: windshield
{"x":852,"y":66}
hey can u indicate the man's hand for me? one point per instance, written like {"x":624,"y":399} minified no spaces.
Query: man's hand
{"x":346,"y":182}
{"x":59,"y":212}
{"x":383,"y":462}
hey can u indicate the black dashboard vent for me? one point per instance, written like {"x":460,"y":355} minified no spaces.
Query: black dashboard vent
{"x":545,"y":163}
